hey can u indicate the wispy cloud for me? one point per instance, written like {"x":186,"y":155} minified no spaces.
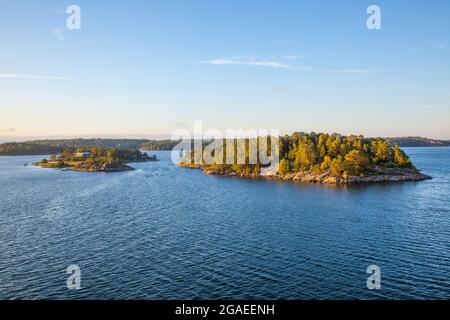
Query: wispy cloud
{"x":58,"y":34}
{"x":366,"y":71}
{"x":415,"y":50}
{"x":440,"y":45}
{"x":276,"y":63}
{"x":249,"y":62}
{"x":346,"y":70}
{"x":293,"y":57}
{"x":32,"y":77}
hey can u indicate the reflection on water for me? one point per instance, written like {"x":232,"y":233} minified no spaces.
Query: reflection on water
{"x":163,"y":232}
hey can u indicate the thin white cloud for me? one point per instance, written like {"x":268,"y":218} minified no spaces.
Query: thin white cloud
{"x":58,"y":34}
{"x":415,"y":50}
{"x":293,"y":57}
{"x":440,"y":45}
{"x":260,"y":63}
{"x":32,"y":77}
{"x":351,"y":71}
{"x":348,"y":70}
{"x":308,"y":68}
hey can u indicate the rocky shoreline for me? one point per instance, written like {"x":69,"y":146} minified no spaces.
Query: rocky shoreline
{"x":106,"y":167}
{"x":390,"y":175}
{"x":86,"y":166}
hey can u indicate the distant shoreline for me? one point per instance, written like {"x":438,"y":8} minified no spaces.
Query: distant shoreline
{"x":95,"y":159}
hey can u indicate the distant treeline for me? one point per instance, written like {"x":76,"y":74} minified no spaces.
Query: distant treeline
{"x":46,"y":147}
{"x":417,"y":142}
{"x":158,"y":145}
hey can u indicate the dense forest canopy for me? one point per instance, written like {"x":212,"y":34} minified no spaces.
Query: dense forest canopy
{"x":334,"y":154}
{"x":93,"y":157}
{"x":338,"y":154}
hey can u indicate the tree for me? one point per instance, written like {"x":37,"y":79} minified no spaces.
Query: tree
{"x":356,"y":162}
{"x":337,"y":167}
{"x":334,"y":147}
{"x":306,"y":156}
{"x":326,"y":163}
{"x":382,"y":151}
{"x":60,"y":164}
{"x":112,"y":155}
{"x":283,"y":167}
{"x":401,"y":159}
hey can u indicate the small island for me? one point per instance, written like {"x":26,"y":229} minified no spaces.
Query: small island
{"x":321,"y":158}
{"x":95,"y":159}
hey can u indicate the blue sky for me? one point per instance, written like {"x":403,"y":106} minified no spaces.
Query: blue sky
{"x":144,"y":68}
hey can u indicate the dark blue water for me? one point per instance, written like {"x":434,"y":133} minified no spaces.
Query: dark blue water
{"x":163,"y":232}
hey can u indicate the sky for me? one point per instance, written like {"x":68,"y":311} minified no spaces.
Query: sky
{"x":145,"y":68}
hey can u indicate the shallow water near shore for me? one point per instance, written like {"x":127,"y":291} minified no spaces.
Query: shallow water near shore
{"x":164,"y":232}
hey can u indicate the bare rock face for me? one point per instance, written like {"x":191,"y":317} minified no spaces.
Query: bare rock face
{"x":116,"y":167}
{"x":104,"y":167}
{"x":397,"y":175}
{"x":380,"y":176}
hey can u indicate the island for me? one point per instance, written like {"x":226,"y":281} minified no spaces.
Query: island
{"x":320,"y":158}
{"x":95,"y":159}
{"x":413,"y":142}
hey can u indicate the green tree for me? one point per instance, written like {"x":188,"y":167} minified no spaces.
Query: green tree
{"x":356,"y":162}
{"x":306,"y":156}
{"x":337,"y":167}
{"x":401,"y":159}
{"x":381,"y":151}
{"x":283,"y":167}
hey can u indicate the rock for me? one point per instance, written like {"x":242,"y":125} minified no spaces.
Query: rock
{"x":388,"y":175}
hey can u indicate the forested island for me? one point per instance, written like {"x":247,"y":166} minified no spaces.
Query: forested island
{"x":413,"y":142}
{"x":321,"y":158}
{"x":95,"y":159}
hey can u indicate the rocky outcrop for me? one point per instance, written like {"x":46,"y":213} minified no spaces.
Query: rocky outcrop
{"x":103,"y":167}
{"x":387,"y":175}
{"x":397,"y":175}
